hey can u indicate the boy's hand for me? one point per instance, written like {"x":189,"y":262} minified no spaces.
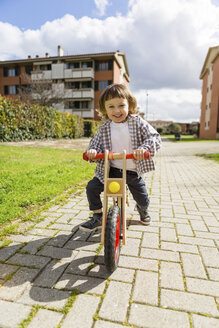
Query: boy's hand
{"x":91,"y":153}
{"x":139,"y":154}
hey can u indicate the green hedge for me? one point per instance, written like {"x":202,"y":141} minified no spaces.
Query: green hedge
{"x":91,"y":127}
{"x":22,"y":121}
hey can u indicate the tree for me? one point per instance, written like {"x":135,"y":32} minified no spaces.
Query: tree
{"x":194,"y":128}
{"x":159,"y":130}
{"x":174,"y":128}
{"x":41,"y":91}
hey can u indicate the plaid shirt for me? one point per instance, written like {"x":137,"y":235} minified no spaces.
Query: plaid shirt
{"x":142,"y":135}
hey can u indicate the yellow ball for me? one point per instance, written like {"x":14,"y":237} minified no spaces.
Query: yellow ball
{"x":114,"y":187}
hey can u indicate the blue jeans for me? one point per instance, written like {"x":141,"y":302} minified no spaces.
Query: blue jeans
{"x":135,"y":184}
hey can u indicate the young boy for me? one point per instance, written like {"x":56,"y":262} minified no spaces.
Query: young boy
{"x":122,"y":130}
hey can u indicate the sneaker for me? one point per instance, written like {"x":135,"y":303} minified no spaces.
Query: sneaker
{"x":144,"y":216}
{"x":93,"y":224}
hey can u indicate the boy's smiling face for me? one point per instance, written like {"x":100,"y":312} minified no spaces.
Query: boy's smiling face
{"x":117,"y":109}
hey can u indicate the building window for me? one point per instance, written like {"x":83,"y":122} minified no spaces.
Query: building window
{"x":85,"y":104}
{"x":11,"y":71}
{"x":73,"y":85}
{"x":74,"y":104}
{"x":104,"y":65}
{"x":10,"y":89}
{"x":13,"y":90}
{"x":28,"y":69}
{"x":73,"y":65}
{"x":6,"y":90}
{"x":86,"y":84}
{"x":78,"y":105}
{"x":5,"y":72}
{"x":45,"y":67}
{"x":86,"y":64}
{"x":101,"y":85}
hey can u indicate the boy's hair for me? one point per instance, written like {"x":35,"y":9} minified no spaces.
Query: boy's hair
{"x":116,"y":91}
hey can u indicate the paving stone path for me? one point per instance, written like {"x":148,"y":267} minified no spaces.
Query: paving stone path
{"x":52,"y":275}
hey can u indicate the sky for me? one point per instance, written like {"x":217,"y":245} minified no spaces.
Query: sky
{"x":165,"y":43}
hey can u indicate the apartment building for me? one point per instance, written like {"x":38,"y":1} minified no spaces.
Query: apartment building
{"x":76,"y":80}
{"x":160,"y":125}
{"x":209,"y":121}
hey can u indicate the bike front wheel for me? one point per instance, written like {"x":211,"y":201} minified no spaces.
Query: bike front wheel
{"x":112,"y":241}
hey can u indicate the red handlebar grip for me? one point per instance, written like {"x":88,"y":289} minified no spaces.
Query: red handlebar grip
{"x":147,"y":155}
{"x":85,"y":158}
{"x":131,"y":156}
{"x":98,"y":156}
{"x":102,"y":156}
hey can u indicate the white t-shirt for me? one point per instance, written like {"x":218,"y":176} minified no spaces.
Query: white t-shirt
{"x":121,"y":140}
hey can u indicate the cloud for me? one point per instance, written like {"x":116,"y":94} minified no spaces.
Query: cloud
{"x":165,"y":43}
{"x":170,"y":104}
{"x":101,"y":6}
{"x":172,"y":41}
{"x":11,"y":41}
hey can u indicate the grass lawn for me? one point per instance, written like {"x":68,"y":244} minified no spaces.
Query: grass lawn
{"x":186,"y":138}
{"x":211,"y":156}
{"x":30,"y":177}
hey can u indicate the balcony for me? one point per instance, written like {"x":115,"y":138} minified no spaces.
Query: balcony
{"x":79,"y":73}
{"x":87,"y":113}
{"x":58,"y":72}
{"x":87,"y":93}
{"x":41,"y":75}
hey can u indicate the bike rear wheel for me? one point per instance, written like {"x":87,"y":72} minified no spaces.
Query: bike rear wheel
{"x":112,"y":241}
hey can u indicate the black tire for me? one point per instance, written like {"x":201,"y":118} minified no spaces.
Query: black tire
{"x":112,"y":241}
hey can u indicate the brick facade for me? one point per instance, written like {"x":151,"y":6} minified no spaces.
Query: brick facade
{"x":209,"y":121}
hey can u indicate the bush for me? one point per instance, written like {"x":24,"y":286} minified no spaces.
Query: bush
{"x":159,"y":130}
{"x":78,"y":126}
{"x":23,"y":121}
{"x":91,"y":127}
{"x":174,"y":128}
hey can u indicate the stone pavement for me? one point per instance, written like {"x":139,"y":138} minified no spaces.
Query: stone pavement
{"x":52,"y":275}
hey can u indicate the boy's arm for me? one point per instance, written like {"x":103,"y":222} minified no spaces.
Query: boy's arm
{"x":151,"y":138}
{"x":95,"y":143}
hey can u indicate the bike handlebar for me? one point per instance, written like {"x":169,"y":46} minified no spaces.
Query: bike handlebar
{"x":112,"y":156}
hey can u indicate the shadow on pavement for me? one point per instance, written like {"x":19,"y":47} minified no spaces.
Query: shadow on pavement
{"x":48,"y":269}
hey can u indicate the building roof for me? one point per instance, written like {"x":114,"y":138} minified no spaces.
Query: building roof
{"x":38,"y":58}
{"x":116,"y":54}
{"x":212,"y":54}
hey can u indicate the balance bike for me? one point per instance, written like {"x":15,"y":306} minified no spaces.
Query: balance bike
{"x":114,"y":218}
